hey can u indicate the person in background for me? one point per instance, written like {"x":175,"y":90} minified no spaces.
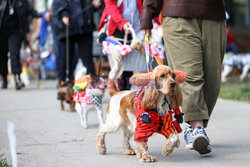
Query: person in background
{"x":46,"y":6}
{"x":78,"y":16}
{"x":195,"y":43}
{"x":124,"y":15}
{"x":231,"y":46}
{"x":14,"y":27}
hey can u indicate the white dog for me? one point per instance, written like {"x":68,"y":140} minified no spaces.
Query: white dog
{"x":89,"y":98}
{"x":240,"y":61}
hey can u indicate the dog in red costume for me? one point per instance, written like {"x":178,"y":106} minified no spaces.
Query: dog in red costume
{"x":159,"y":100}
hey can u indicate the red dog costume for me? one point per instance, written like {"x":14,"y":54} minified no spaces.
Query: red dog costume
{"x":149,"y":122}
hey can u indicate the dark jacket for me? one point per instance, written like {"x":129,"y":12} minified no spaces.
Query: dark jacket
{"x":201,"y":9}
{"x":23,"y":9}
{"x":80,"y":13}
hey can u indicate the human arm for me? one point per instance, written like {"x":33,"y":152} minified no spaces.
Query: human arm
{"x":150,"y":10}
{"x":116,"y":14}
{"x":61,"y":10}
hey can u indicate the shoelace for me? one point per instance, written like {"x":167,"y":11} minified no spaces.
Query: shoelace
{"x":199,"y":131}
{"x":188,"y":133}
{"x":189,"y":136}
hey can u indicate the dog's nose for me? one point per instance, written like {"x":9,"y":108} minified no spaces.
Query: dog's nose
{"x":172,"y":84}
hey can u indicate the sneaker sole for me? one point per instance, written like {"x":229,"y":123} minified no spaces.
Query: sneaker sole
{"x":201,"y":145}
{"x":190,"y":146}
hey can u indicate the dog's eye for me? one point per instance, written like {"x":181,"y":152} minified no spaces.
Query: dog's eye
{"x":162,"y":75}
{"x":173,"y":76}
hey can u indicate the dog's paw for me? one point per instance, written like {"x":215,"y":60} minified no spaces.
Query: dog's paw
{"x":128,"y":151}
{"x":84,"y":125}
{"x":170,"y":144}
{"x":147,"y":158}
{"x":100,"y":145}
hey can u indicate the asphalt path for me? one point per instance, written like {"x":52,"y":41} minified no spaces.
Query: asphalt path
{"x":48,"y":137}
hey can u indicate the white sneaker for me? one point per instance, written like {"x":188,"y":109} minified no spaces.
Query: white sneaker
{"x":188,"y":136}
{"x":201,"y":141}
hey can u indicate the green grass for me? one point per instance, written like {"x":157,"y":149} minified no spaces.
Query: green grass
{"x":236,"y":90}
{"x":3,"y":161}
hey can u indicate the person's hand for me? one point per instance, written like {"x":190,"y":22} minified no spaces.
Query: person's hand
{"x":155,"y":25}
{"x":96,"y":3}
{"x":126,"y":27}
{"x":65,"y":20}
{"x":147,"y":32}
{"x":28,"y":37}
{"x":48,"y":16}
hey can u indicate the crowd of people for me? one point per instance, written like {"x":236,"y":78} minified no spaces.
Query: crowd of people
{"x":54,"y":19}
{"x":194,"y":43}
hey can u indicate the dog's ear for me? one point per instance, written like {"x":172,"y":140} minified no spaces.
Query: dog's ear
{"x":176,"y":100}
{"x":150,"y":97}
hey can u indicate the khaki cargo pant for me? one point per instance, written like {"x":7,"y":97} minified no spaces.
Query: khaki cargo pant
{"x":196,"y":46}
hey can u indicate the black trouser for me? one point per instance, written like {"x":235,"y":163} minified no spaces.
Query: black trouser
{"x":84,"y":42}
{"x":125,"y":85}
{"x":10,"y":42}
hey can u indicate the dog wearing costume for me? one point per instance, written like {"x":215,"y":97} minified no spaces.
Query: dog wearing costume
{"x":154,"y":108}
{"x":88,"y":94}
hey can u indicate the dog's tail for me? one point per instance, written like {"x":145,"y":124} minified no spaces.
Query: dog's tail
{"x":112,"y":88}
{"x":115,"y":71}
{"x":117,"y":64}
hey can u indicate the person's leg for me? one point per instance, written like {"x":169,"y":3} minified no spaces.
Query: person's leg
{"x":214,"y":44}
{"x":58,"y":53}
{"x":183,"y":44}
{"x":76,"y":58}
{"x":63,"y":66}
{"x":14,"y":45}
{"x":4,"y":60}
{"x":72,"y":58}
{"x":85,"y":44}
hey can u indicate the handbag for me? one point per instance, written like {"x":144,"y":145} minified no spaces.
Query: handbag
{"x":50,"y":63}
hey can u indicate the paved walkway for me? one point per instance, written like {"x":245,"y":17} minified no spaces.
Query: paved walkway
{"x":48,"y":137}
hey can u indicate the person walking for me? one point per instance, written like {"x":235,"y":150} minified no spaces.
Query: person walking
{"x":13,"y":28}
{"x":46,"y":6}
{"x":194,"y":32}
{"x":124,"y":14}
{"x":78,"y":16}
